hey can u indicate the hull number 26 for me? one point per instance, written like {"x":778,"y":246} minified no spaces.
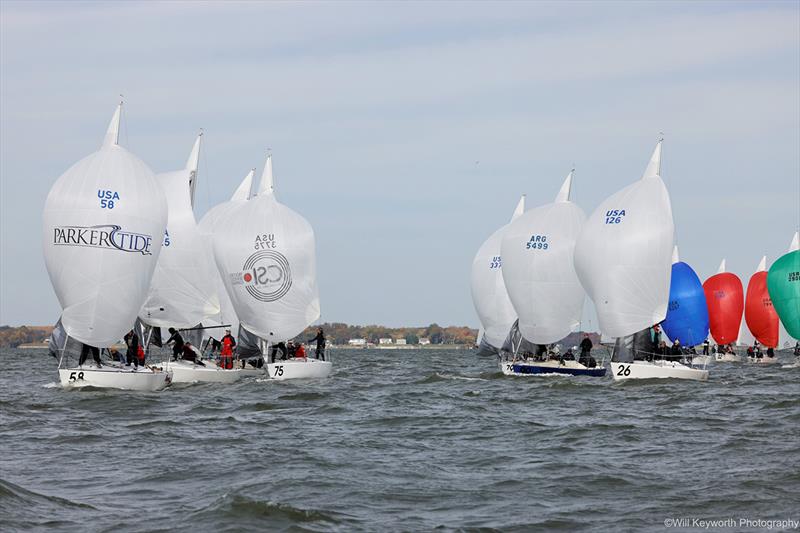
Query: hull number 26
{"x":624,"y":370}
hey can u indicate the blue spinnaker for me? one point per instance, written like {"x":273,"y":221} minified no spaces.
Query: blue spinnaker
{"x":687,"y":314}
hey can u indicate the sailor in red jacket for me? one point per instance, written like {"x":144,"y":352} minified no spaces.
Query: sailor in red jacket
{"x":226,"y":353}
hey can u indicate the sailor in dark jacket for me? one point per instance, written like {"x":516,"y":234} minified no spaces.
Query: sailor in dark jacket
{"x":320,"y":340}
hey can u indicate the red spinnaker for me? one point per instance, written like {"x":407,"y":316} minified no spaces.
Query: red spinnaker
{"x":760,"y":315}
{"x":725,"y":300}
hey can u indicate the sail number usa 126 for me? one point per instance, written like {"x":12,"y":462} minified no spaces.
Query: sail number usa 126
{"x":615,"y":216}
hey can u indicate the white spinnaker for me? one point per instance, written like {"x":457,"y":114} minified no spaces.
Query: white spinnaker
{"x":182,"y":293}
{"x":489,"y":295}
{"x":623,"y":254}
{"x":266,"y":256}
{"x":207,"y":227}
{"x":537,"y":251}
{"x":103,"y":223}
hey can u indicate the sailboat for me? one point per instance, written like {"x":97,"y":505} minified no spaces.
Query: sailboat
{"x":687,"y":314}
{"x":623,"y":259}
{"x":103,"y":221}
{"x":725,"y":301}
{"x":783,"y":284}
{"x":537,"y":250}
{"x":760,"y":315}
{"x":183,"y":294}
{"x":489,"y":295}
{"x":265,"y":253}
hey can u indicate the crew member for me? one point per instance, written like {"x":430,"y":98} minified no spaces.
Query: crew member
{"x":300,"y":353}
{"x":706,"y":346}
{"x":586,"y":346}
{"x":132,"y":354}
{"x":189,"y":353}
{"x":320,"y":340}
{"x":85,"y":349}
{"x":226,"y":353}
{"x":177,"y":348}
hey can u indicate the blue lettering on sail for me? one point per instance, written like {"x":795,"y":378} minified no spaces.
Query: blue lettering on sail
{"x":107,"y":198}
{"x":495,"y":262}
{"x":537,"y":242}
{"x":615,"y":216}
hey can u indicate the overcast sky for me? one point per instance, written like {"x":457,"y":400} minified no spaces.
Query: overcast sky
{"x":406,"y":132}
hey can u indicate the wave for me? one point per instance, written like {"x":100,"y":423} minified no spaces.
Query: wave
{"x":23,"y":508}
{"x":237,"y":512}
{"x":438,"y":376}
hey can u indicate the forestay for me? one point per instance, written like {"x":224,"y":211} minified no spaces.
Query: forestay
{"x":183,"y":292}
{"x":538,"y":270}
{"x":622,"y":256}
{"x":102,"y":227}
{"x":489,"y":295}
{"x":265,"y":253}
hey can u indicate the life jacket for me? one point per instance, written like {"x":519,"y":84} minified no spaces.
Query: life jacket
{"x":140,"y":354}
{"x":301,"y":352}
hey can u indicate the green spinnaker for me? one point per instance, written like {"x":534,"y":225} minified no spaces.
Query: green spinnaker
{"x":783,"y":284}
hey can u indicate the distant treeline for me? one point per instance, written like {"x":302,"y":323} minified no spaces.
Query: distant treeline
{"x":338,"y":333}
{"x":13,"y":337}
{"x":335,"y":332}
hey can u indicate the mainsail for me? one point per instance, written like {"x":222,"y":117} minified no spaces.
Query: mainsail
{"x":538,"y":269}
{"x":725,"y":301}
{"x":622,"y":255}
{"x":783,"y":282}
{"x":687,"y":314}
{"x":265,"y":253}
{"x":489,"y":295}
{"x":182,"y":293}
{"x":102,"y":227}
{"x":759,"y":313}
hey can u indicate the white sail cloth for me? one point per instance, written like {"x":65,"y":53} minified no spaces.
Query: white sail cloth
{"x":102,"y":227}
{"x":489,"y":295}
{"x":623,"y":254}
{"x":207,"y":226}
{"x":265,"y":253}
{"x":183,"y":292}
{"x":537,"y":251}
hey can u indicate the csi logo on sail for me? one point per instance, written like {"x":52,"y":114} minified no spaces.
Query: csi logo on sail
{"x":614,"y":216}
{"x":266,"y":275}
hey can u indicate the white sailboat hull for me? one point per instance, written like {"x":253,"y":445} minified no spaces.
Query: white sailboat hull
{"x":114,"y":378}
{"x":729,"y":358}
{"x":656,"y":370}
{"x":188,"y":372}
{"x":702,"y":360}
{"x":299,"y":369}
{"x":763,"y":361}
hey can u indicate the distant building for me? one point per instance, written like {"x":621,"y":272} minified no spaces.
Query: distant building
{"x":385,"y":341}
{"x":400,"y":341}
{"x":424,"y":340}
{"x":357,"y":342}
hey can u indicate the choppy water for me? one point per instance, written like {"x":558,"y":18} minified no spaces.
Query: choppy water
{"x":398,"y":440}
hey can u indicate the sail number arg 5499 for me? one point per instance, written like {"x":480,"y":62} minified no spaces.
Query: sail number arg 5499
{"x":615,"y":216}
{"x":537,"y":242}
